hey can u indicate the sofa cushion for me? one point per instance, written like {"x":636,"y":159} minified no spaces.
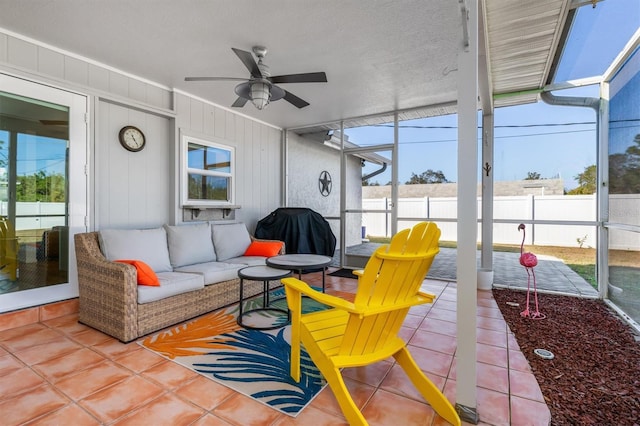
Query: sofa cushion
{"x":144,"y":273}
{"x":264,"y":248}
{"x":171,"y":283}
{"x":230,"y":240}
{"x":190,"y":244}
{"x":147,"y":245}
{"x":248,"y":260}
{"x":214,"y":272}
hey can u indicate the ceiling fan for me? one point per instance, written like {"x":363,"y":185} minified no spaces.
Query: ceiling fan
{"x":261,"y":87}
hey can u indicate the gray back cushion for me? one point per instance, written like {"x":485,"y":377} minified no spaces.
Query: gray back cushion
{"x":190,"y":244}
{"x":230,"y":240}
{"x":147,"y":245}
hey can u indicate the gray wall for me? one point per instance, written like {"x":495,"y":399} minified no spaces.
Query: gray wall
{"x":306,"y":160}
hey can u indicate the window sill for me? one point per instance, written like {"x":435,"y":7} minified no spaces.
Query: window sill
{"x":211,"y":206}
{"x":197,"y":208}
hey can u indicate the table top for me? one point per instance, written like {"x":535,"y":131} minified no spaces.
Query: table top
{"x":299,"y":261}
{"x":262,"y":273}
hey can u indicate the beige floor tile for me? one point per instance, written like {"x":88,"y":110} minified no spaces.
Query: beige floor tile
{"x":169,"y":374}
{"x":140,"y":360}
{"x":204,"y":392}
{"x":46,"y":351}
{"x":19,"y":381}
{"x":66,"y":415}
{"x":57,"y":368}
{"x":31,"y":405}
{"x":386,"y":408}
{"x":166,"y":410}
{"x":93,"y":379}
{"x":118,"y":400}
{"x":240,"y":409}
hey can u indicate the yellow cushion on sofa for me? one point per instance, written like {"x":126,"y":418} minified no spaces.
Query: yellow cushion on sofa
{"x":145,"y":274}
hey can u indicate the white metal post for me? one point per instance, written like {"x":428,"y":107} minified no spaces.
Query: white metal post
{"x":467,"y":215}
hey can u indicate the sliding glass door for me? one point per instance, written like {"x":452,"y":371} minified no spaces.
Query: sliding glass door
{"x":42,"y":163}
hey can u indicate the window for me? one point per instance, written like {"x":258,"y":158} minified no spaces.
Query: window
{"x":207,"y":173}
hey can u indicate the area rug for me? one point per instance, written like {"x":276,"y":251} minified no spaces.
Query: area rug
{"x":252,"y":362}
{"x":343,"y":273}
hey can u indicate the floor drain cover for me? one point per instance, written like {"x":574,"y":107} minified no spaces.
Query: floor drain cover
{"x":543,"y":353}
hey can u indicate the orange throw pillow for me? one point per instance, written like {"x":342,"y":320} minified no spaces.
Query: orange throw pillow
{"x":264,"y":248}
{"x":146,"y":276}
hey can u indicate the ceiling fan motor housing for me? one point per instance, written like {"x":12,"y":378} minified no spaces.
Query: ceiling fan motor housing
{"x":260,"y":88}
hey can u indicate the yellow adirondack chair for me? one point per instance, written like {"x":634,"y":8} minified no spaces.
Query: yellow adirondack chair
{"x":366,"y":331}
{"x":8,"y":249}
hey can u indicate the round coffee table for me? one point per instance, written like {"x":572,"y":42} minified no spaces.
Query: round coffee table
{"x":298,"y":262}
{"x":264,"y":274}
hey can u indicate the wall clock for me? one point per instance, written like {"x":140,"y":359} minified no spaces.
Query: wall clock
{"x":132,"y":138}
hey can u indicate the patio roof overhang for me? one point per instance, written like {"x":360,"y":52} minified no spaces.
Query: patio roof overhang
{"x":380,"y":57}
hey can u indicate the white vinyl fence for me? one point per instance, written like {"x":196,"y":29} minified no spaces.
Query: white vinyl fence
{"x":36,"y":215}
{"x":575,"y":208}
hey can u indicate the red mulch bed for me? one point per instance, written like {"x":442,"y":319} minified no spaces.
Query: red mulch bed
{"x":594,"y":378}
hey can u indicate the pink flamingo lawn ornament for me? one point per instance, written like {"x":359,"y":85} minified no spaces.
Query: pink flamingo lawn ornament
{"x":529,"y":261}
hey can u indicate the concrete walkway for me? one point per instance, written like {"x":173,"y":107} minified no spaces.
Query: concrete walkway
{"x":552,"y":275}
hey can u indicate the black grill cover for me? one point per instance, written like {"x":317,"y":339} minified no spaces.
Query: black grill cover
{"x":302,"y":230}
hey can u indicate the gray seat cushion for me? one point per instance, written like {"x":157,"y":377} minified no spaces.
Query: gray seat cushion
{"x":248,"y":260}
{"x":171,"y":283}
{"x":214,"y":272}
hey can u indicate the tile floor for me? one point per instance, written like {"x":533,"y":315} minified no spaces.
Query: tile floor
{"x":57,"y":371}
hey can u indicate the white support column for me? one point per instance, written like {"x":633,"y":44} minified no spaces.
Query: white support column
{"x":394,"y":177}
{"x":602,"y":193}
{"x":343,"y":199}
{"x":487,"y":191}
{"x":466,"y":403}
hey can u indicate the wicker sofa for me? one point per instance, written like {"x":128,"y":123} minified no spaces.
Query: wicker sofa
{"x":196,"y":266}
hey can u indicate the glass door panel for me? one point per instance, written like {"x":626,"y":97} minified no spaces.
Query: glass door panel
{"x":34,"y":144}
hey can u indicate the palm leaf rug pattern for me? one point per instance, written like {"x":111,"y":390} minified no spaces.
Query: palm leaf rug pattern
{"x":253,"y":362}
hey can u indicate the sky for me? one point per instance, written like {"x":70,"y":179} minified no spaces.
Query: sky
{"x":553,"y":141}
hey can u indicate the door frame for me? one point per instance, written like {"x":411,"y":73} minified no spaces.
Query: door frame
{"x":78,"y":105}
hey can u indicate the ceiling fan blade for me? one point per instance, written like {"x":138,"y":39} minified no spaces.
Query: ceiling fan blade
{"x":294,"y":100}
{"x":311,"y":77}
{"x":214,"y":79}
{"x":249,"y":62}
{"x":240,"y":102}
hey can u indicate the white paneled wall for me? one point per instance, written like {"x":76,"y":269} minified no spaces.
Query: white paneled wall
{"x":258,"y":149}
{"x":132,"y":189}
{"x":140,"y":189}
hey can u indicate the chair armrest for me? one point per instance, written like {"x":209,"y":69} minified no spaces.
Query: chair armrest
{"x":108,"y":291}
{"x":420,"y":299}
{"x":298,"y":288}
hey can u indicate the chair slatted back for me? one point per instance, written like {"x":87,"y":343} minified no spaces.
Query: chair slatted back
{"x":392,"y":278}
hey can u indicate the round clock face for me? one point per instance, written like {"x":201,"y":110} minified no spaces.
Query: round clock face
{"x":131,"y":138}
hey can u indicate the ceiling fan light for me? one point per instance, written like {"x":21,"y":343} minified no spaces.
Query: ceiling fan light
{"x":260,"y":94}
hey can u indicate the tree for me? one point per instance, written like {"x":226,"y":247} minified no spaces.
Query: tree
{"x":41,"y":187}
{"x":586,"y":181}
{"x":430,"y":176}
{"x":624,"y":170}
{"x":532,"y":176}
{"x":367,"y":183}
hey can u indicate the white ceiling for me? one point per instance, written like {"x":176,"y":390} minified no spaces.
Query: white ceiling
{"x":379,"y":56}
